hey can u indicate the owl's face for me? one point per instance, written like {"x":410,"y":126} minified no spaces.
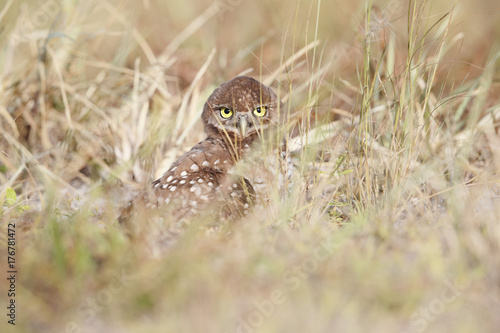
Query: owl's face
{"x":240,"y":110}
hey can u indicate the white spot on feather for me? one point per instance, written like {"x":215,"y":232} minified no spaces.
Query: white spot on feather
{"x":183,"y":173}
{"x":205,"y":164}
{"x":173,"y":188}
{"x":196,"y":189}
{"x":169,"y":178}
{"x":195,"y":167}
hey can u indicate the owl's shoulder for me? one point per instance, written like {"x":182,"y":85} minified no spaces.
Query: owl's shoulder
{"x":209,"y":155}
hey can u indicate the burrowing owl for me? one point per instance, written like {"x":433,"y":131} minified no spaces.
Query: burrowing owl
{"x":234,"y":116}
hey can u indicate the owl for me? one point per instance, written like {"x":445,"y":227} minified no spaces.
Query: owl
{"x":236,"y":114}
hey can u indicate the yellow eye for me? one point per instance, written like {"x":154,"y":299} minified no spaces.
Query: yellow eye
{"x":260,"y":111}
{"x":226,"y":113}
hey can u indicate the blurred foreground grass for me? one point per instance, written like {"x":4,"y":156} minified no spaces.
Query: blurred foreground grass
{"x":391,"y":223}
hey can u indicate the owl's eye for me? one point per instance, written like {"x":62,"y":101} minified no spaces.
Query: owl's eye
{"x":226,"y":113}
{"x":260,"y":111}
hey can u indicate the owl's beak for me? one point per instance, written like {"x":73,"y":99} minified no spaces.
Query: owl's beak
{"x":243,"y":124}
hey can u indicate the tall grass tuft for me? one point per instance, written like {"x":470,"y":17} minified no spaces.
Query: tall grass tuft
{"x":382,"y":217}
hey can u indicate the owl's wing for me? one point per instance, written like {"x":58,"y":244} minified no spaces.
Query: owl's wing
{"x":199,"y":180}
{"x":194,"y":177}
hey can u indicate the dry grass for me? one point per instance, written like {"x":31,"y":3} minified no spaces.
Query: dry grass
{"x":390,"y":222}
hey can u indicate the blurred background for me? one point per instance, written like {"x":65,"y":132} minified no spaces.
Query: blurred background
{"x":99,"y":97}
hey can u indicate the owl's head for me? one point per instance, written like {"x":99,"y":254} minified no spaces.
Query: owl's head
{"x":240,"y":110}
